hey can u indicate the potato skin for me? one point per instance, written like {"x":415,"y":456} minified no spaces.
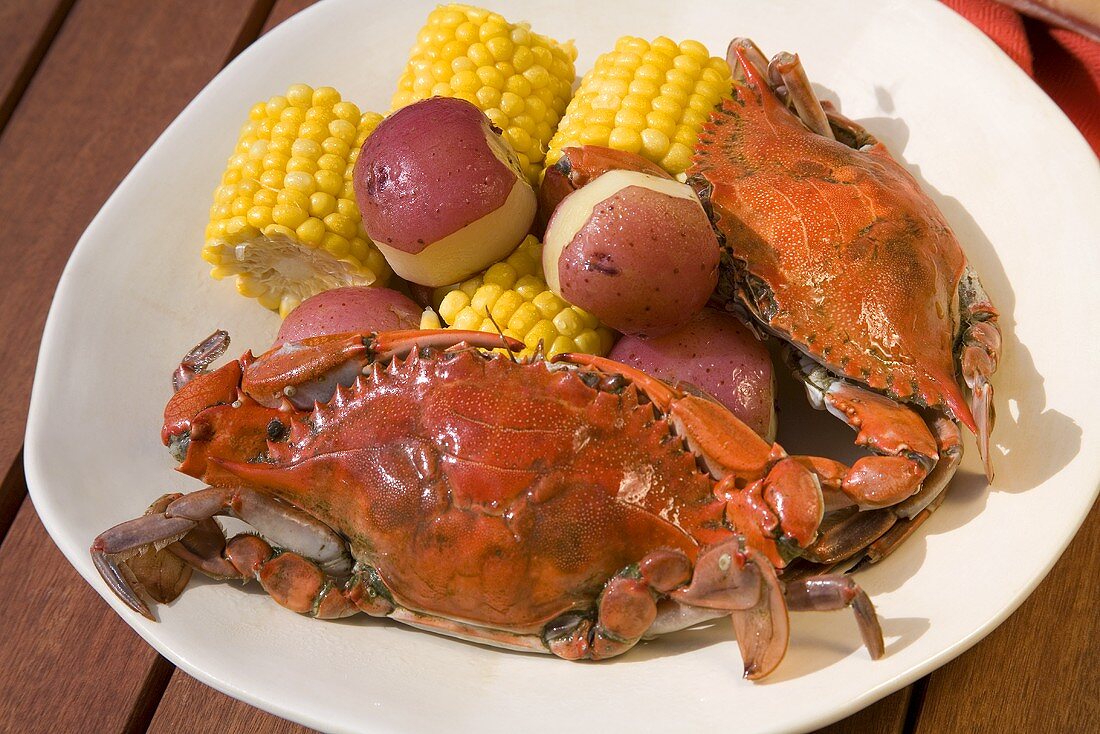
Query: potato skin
{"x":427,"y":171}
{"x":644,"y":262}
{"x":355,"y":308}
{"x":718,"y":354}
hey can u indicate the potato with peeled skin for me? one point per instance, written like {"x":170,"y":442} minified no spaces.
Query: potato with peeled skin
{"x":635,"y":250}
{"x":355,"y":308}
{"x":717,"y":354}
{"x":441,"y":192}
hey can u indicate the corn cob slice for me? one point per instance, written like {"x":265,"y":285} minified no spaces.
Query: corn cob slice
{"x":284,"y":221}
{"x":513,"y":296}
{"x":521,"y":80}
{"x":645,"y":98}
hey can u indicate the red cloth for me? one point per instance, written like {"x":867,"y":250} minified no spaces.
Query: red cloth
{"x":1065,"y":64}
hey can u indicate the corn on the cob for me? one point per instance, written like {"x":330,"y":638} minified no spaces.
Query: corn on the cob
{"x":513,"y":296}
{"x":284,"y":220}
{"x":645,"y":98}
{"x":521,"y":80}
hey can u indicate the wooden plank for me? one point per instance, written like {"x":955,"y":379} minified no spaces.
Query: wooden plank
{"x":1038,"y":671}
{"x":69,"y":662}
{"x":26,"y":29}
{"x":883,"y":717}
{"x":192,"y":707}
{"x":116,"y":74}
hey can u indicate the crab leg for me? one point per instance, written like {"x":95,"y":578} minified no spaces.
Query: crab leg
{"x":845,"y":533}
{"x":125,"y":558}
{"x":724,"y":444}
{"x":774,"y":501}
{"x":826,"y":593}
{"x":981,"y":351}
{"x":289,"y":526}
{"x":786,"y":78}
{"x":627,"y":608}
{"x":800,"y":94}
{"x":743,"y":584}
{"x":199,"y":358}
{"x":390,"y":344}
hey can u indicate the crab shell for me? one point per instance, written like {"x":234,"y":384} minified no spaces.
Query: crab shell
{"x":442,"y":467}
{"x":568,"y":507}
{"x":839,"y":252}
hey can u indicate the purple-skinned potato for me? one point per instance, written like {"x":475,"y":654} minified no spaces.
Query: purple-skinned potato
{"x":716,"y":354}
{"x":355,"y":308}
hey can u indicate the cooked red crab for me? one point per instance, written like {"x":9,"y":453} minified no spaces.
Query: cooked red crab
{"x":831,"y":246}
{"x":572,"y":507}
{"x":837,"y":250}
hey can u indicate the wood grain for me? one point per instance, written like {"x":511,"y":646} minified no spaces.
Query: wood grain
{"x":883,"y":717}
{"x":26,"y":29}
{"x":116,"y":74}
{"x":68,"y":662}
{"x":1040,"y":670}
{"x":190,"y":706}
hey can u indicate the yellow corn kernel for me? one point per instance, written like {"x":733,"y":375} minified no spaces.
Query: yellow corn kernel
{"x":468,"y":320}
{"x":521,"y":80}
{"x":452,"y":304}
{"x":561,"y":344}
{"x":588,"y":341}
{"x":284,"y":223}
{"x":501,"y":274}
{"x":511,"y":296}
{"x":543,"y":334}
{"x":523,"y":318}
{"x":649,"y":98}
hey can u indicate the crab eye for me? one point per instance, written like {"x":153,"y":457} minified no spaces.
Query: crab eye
{"x":276,"y":430}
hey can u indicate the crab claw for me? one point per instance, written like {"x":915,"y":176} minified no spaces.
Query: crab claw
{"x":199,"y":358}
{"x":731,"y":579}
{"x":131,"y":557}
{"x":188,"y":519}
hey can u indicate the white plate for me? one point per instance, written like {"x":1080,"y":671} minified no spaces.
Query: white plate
{"x":1013,"y":177}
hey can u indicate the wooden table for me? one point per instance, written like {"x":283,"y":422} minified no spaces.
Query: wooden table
{"x":85,"y":87}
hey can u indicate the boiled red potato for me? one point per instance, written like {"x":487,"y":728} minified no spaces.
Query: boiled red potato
{"x":717,"y":354}
{"x":441,"y":192}
{"x":635,"y":250}
{"x":355,"y":308}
